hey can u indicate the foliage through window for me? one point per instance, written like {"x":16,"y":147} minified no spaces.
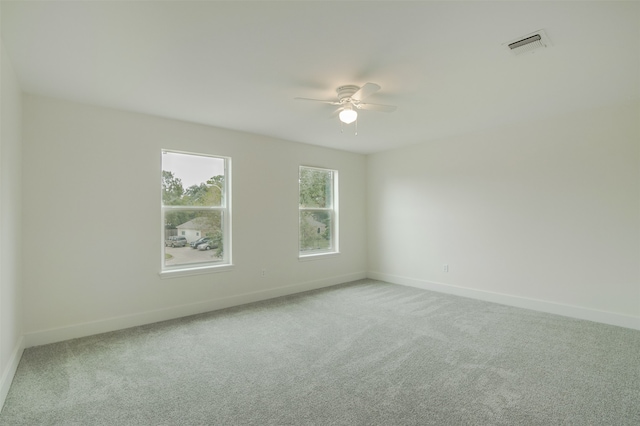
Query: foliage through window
{"x":318,"y":213}
{"x":195,"y":210}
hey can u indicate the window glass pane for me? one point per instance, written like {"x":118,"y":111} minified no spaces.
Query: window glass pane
{"x":315,"y":188}
{"x":193,"y":236}
{"x":315,"y":230}
{"x":192,"y":180}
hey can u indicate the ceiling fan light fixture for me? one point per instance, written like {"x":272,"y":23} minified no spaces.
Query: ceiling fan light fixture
{"x":349,"y":99}
{"x":348,"y":115}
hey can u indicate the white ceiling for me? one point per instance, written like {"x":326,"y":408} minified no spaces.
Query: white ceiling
{"x":238,"y":65}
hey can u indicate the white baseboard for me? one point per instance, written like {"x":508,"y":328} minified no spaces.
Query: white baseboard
{"x":519,"y":302}
{"x":10,"y":370}
{"x":74,"y":331}
{"x":44,"y":337}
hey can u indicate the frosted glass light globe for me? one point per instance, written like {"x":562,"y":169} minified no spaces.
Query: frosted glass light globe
{"x":348,"y":116}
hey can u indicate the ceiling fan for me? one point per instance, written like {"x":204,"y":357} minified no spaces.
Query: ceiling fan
{"x":350,"y":99}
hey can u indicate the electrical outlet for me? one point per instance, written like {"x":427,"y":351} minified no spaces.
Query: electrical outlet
{"x":445,"y":268}
{"x":263,"y":273}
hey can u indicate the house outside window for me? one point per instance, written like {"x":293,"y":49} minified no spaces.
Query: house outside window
{"x":196,"y":206}
{"x":318,"y":211}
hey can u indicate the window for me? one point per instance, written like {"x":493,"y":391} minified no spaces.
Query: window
{"x":196,"y":220}
{"x":318,"y":211}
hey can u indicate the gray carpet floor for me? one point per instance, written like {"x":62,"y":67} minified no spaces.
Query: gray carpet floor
{"x":362,"y":353}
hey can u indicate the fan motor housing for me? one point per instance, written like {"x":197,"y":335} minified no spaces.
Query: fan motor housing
{"x":345,"y":92}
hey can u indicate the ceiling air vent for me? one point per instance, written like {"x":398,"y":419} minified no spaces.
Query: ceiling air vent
{"x":529,"y":43}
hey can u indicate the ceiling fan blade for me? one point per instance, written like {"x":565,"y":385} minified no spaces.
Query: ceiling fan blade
{"x":365,"y":91}
{"x":318,"y":100}
{"x":377,"y":107}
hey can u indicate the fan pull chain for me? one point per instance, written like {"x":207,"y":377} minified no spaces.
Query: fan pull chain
{"x":342,"y":127}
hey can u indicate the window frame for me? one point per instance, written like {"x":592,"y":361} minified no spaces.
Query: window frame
{"x":225,"y":208}
{"x":333,"y":211}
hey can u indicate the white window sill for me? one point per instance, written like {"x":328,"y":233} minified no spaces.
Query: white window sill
{"x":318,"y":256}
{"x":200,"y":270}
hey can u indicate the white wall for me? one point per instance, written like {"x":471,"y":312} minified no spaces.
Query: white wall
{"x":543,"y":215}
{"x":11,"y":345}
{"x":546,"y":212}
{"x":96,"y":171}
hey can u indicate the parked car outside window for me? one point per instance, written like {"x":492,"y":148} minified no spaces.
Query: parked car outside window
{"x":178,"y":241}
{"x":208,"y":245}
{"x":196,"y":243}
